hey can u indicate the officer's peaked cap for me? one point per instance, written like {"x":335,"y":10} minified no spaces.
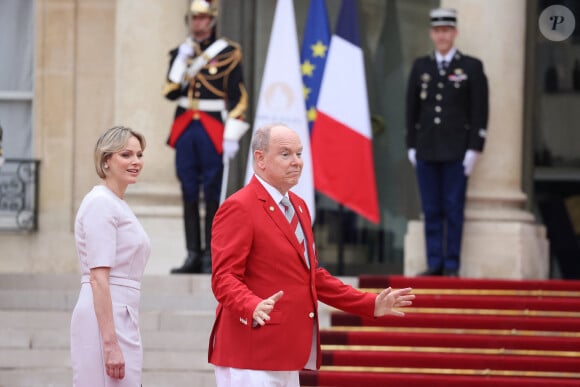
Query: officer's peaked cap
{"x":443,"y":17}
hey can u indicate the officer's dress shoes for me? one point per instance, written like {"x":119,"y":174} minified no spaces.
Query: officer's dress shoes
{"x":431,"y":272}
{"x":450,"y":273}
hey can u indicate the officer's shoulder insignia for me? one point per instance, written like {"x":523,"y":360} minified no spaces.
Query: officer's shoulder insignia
{"x":233,"y":51}
{"x":235,"y":45}
{"x":237,"y":54}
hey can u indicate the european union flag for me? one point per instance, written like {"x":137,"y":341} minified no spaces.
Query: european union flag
{"x":313,"y":56}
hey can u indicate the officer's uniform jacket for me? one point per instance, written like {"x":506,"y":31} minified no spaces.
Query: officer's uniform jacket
{"x":447,"y":110}
{"x":221,"y":79}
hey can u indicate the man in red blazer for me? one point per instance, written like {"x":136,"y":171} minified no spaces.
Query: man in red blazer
{"x":268,"y":282}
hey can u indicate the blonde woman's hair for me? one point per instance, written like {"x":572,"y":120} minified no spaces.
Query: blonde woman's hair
{"x":111,"y":141}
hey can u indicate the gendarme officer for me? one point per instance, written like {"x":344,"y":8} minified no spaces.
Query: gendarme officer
{"x":446,"y":121}
{"x":205,"y":79}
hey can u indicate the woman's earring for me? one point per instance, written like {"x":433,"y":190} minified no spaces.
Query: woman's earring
{"x":106,"y":166}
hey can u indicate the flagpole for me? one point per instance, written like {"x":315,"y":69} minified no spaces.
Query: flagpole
{"x":225,"y":179}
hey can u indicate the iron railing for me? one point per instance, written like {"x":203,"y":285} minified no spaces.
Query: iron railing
{"x":19,"y":195}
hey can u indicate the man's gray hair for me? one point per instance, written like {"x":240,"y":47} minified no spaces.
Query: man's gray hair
{"x":261,"y":139}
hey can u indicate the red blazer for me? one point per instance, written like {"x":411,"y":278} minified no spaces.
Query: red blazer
{"x":255,"y":254}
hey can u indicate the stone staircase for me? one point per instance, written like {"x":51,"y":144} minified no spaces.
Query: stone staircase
{"x":177,"y":313}
{"x":176,"y":316}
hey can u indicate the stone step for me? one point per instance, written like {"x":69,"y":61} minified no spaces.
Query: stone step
{"x":42,"y":339}
{"x":40,"y":377}
{"x":48,"y":377}
{"x":150,"y":320}
{"x":172,"y":284}
{"x":65,"y":300}
{"x":155,"y":360}
{"x":60,"y":292}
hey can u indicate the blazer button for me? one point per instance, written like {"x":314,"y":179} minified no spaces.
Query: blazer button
{"x":311,"y":314}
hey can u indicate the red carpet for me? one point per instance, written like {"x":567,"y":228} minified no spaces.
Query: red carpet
{"x":459,"y":332}
{"x":470,"y":321}
{"x":396,"y":281}
{"x":444,"y":338}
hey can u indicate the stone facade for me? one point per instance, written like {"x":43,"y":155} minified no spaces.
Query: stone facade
{"x":100,"y":63}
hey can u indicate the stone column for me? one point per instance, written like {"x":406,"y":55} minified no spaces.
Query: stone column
{"x":500,"y":238}
{"x":145,"y":33}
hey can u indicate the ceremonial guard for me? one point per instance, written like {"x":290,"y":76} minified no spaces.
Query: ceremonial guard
{"x":446,"y":122}
{"x":205,"y":79}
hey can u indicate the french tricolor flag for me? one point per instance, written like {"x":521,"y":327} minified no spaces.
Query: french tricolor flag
{"x":341,"y":140}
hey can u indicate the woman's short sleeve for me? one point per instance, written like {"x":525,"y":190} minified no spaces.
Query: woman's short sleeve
{"x":99,"y":224}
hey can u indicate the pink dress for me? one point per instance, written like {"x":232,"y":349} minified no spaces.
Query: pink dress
{"x":107,"y":233}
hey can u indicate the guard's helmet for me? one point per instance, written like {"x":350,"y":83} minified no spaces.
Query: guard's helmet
{"x":204,"y":7}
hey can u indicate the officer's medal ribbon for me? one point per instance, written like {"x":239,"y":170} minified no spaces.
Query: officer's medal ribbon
{"x":212,"y":68}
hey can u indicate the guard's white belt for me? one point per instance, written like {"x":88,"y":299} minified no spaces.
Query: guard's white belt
{"x":205,"y":105}
{"x":115,"y":281}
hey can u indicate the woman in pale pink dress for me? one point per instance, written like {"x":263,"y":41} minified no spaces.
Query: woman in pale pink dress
{"x":113,"y":249}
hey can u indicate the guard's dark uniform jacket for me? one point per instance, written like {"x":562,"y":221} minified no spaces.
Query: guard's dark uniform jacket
{"x":220,"y":79}
{"x":447,"y":110}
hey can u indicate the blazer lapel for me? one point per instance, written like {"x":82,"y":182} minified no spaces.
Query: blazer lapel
{"x":272,"y":210}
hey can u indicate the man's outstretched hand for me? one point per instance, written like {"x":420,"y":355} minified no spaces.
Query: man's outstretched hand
{"x":389,"y":299}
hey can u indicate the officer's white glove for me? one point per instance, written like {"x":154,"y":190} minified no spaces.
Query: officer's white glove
{"x":469,"y":161}
{"x":179,"y":66}
{"x":411,"y":156}
{"x":231,"y":148}
{"x":185,"y":51}
{"x":1,"y":161}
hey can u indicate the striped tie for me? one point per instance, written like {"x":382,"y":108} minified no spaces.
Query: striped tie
{"x":295,"y":225}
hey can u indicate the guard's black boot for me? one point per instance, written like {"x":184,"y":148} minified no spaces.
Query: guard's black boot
{"x":191,"y":265}
{"x":191,"y":223}
{"x":210,"y":210}
{"x":206,"y":262}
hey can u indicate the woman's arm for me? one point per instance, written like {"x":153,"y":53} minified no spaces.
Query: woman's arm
{"x":113,"y":356}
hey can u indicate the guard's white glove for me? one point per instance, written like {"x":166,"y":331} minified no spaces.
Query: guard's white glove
{"x":231,"y":148}
{"x":185,"y":51}
{"x":411,"y":156}
{"x":179,"y":66}
{"x":469,"y":161}
{"x":1,"y":161}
